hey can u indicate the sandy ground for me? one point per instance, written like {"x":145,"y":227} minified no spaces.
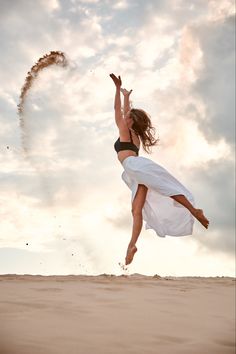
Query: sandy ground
{"x":116,"y":314}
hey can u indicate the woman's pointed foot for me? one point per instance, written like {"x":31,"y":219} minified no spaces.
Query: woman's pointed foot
{"x":130,"y":254}
{"x":198,"y":213}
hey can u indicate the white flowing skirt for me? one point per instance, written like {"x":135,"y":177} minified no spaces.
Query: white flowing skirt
{"x":160,"y":212}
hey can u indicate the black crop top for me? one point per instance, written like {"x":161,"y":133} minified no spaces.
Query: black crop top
{"x":126,"y":145}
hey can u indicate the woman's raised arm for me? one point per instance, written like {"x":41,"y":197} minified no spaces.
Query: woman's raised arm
{"x":117,"y":81}
{"x":117,"y":104}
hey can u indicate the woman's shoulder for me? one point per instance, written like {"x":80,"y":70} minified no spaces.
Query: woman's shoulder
{"x":124,"y":135}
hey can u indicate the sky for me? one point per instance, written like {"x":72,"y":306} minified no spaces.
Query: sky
{"x":64,"y":208}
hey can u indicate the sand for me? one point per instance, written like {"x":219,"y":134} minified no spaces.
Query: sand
{"x":105,"y":314}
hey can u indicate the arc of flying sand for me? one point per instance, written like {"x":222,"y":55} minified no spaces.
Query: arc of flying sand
{"x":53,"y":58}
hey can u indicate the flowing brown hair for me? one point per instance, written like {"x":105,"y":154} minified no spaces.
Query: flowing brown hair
{"x":142,"y":126}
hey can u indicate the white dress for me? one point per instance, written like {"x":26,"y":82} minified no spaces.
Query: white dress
{"x":161,"y":213}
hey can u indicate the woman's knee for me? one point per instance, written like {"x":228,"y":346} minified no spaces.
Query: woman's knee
{"x":136,"y":212}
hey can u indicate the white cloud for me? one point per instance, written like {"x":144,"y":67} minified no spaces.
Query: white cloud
{"x":85,"y":1}
{"x":153,"y":40}
{"x":51,"y":4}
{"x":218,"y":10}
{"x":190,"y":57}
{"x":120,"y":5}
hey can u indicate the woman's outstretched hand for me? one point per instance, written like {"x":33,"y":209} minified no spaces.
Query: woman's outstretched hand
{"x":117,"y":80}
{"x":125,"y":92}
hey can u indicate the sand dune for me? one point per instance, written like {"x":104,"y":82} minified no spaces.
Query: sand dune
{"x":105,"y":314}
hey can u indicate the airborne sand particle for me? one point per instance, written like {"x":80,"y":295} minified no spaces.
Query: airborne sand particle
{"x":54,"y":58}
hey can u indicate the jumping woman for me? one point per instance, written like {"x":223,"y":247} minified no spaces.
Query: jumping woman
{"x":157,"y":197}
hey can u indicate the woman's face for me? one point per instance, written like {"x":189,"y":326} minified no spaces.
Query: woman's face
{"x":129,"y":121}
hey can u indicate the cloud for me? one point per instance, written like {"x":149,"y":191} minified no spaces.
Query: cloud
{"x":85,"y":1}
{"x":216,"y":83}
{"x":217,"y":178}
{"x":121,"y":5}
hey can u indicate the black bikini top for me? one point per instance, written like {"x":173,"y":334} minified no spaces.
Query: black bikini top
{"x":126,"y":145}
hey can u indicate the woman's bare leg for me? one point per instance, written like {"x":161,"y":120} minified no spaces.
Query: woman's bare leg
{"x":197,"y":213}
{"x":137,"y":207}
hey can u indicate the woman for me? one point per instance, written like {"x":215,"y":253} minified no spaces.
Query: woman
{"x":157,"y":196}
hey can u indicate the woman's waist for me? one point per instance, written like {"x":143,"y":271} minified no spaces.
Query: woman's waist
{"x":137,"y":162}
{"x":123,"y":154}
{"x":126,"y":158}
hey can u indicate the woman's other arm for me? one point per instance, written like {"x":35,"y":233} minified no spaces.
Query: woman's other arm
{"x":126,"y":99}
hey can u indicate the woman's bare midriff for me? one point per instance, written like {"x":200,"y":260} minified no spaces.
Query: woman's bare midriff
{"x":125,"y":153}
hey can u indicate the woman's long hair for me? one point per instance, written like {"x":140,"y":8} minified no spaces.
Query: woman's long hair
{"x":142,"y":126}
